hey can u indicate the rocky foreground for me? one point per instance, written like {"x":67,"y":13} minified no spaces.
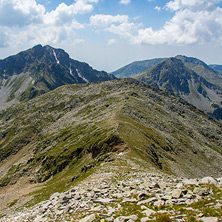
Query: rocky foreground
{"x":131,"y":196}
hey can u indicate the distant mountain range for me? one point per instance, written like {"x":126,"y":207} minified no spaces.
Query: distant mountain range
{"x":39,"y":70}
{"x":186,"y":77}
{"x":135,"y":68}
{"x":217,"y":68}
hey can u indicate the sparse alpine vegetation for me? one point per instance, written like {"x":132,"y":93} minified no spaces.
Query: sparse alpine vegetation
{"x":61,"y":137}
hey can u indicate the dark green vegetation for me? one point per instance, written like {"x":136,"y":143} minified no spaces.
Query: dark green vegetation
{"x":64,"y":134}
{"x":42,"y":69}
{"x":135,"y":68}
{"x":190,"y":79}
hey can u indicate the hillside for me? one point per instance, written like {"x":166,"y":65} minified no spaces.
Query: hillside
{"x":39,"y":70}
{"x":51,"y":142}
{"x":202,"y":69}
{"x":217,"y":68}
{"x":135,"y":68}
{"x":190,"y":79}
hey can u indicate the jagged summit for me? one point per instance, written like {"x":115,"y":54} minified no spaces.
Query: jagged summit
{"x":41,"y":69}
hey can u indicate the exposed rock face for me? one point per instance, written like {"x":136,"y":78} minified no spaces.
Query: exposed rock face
{"x":190,"y":79}
{"x":39,"y":70}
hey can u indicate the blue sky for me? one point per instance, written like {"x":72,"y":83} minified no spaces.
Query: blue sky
{"x":109,"y":34}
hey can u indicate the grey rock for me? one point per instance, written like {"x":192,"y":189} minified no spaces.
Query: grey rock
{"x":208,"y":180}
{"x":89,"y":218}
{"x":103,"y":201}
{"x":149,"y":212}
{"x":209,"y":219}
{"x":145,"y":219}
{"x":176,"y":193}
{"x":126,"y":218}
{"x":152,"y":199}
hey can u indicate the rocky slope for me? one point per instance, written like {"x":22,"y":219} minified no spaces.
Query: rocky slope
{"x":39,"y":70}
{"x":131,"y":196}
{"x":135,"y":68}
{"x":51,"y":142}
{"x":190,"y":79}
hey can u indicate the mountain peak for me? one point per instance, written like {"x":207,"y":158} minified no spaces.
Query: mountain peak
{"x":41,"y":69}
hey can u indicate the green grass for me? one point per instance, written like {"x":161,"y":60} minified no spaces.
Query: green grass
{"x":12,"y":203}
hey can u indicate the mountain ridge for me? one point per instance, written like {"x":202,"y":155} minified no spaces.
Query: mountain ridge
{"x":190,"y":79}
{"x":136,"y":67}
{"x":41,"y":69}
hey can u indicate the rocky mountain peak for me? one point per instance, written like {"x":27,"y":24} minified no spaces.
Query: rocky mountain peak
{"x":39,"y":70}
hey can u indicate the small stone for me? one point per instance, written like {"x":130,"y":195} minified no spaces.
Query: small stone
{"x":103,"y":201}
{"x":190,"y":182}
{"x":133,"y":200}
{"x":209,"y":219}
{"x":144,"y":219}
{"x":158,"y":203}
{"x":152,"y":199}
{"x":89,"y":218}
{"x":208,"y":180}
{"x":149,"y":212}
{"x":176,"y":193}
{"x":126,"y":218}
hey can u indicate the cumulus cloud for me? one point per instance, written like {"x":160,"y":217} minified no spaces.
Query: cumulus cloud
{"x":191,"y":4}
{"x":112,"y":42}
{"x":118,"y":24}
{"x":102,"y":20}
{"x":158,"y":8}
{"x":195,"y":21}
{"x":29,"y":21}
{"x":125,"y":2}
{"x":20,"y":12}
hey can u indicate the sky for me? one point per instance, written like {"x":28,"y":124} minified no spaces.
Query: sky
{"x":108,"y":34}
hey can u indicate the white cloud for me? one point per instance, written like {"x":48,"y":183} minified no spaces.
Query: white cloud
{"x":191,"y":4}
{"x":158,"y":8}
{"x":125,"y":2}
{"x":124,"y":30}
{"x":118,"y":24}
{"x":3,"y":40}
{"x":29,"y":22}
{"x":186,"y":27}
{"x":102,"y":20}
{"x":112,"y":42}
{"x":20,"y":12}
